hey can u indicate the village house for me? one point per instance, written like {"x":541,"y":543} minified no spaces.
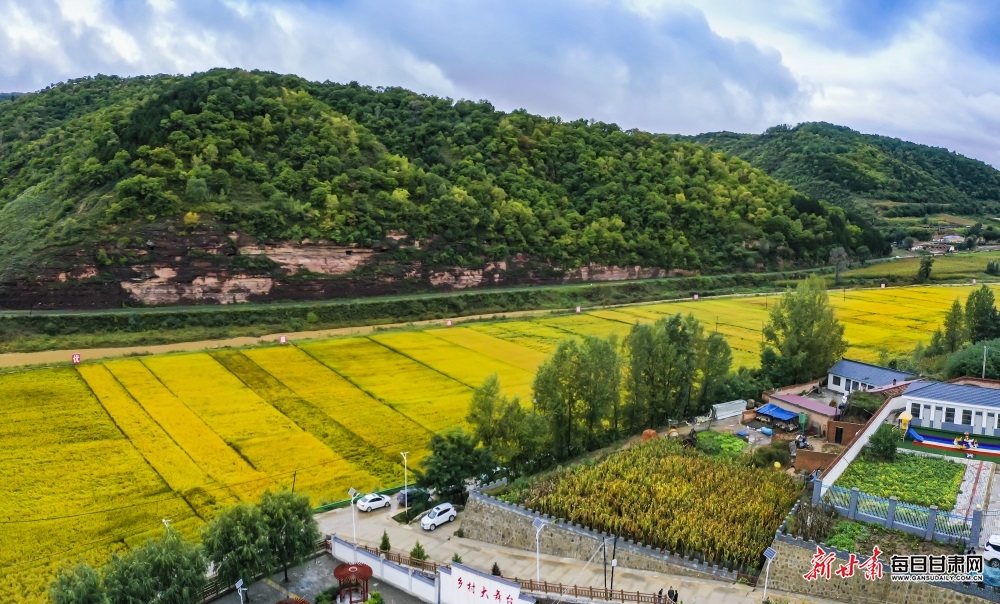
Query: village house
{"x":849,"y":376}
{"x":953,"y":407}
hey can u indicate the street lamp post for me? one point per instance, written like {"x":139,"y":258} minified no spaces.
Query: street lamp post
{"x":406,"y":490}
{"x":539,"y":524}
{"x":354,"y":524}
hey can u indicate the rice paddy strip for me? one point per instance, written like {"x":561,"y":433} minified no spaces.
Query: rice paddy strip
{"x":519,"y":356}
{"x":382,"y":427}
{"x":427,"y":397}
{"x":204,"y":446}
{"x":587,"y":325}
{"x":267,"y":439}
{"x":73,"y":461}
{"x":174,"y":465}
{"x":373,"y":469}
{"x":525,"y":333}
{"x":462,"y":364}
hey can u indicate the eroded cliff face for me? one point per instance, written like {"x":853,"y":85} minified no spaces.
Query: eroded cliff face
{"x":207,"y":267}
{"x":218,"y":288}
{"x":315,"y":258}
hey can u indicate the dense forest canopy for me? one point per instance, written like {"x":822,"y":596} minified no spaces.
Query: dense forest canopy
{"x":281,"y":158}
{"x":857,"y":170}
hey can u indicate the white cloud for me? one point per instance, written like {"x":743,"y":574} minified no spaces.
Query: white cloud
{"x":662,"y":65}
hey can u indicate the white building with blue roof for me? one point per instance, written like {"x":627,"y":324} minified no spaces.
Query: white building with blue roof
{"x":848,"y":376}
{"x":953,"y":407}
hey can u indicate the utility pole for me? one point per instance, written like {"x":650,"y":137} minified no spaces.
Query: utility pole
{"x":406,"y":490}
{"x":614,"y":562}
{"x":294,"y":476}
{"x":604,"y":553}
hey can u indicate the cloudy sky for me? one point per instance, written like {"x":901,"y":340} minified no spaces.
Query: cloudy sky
{"x":922,"y":70}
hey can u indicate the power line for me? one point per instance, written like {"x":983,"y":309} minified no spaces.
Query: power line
{"x":76,"y":547}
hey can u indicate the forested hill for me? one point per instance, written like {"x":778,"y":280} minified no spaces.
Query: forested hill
{"x":90,"y":162}
{"x":864,"y":171}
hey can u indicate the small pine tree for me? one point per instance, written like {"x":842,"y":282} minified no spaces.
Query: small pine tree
{"x":384,"y":545}
{"x":495,"y":571}
{"x":418,"y":553}
{"x":456,"y":558}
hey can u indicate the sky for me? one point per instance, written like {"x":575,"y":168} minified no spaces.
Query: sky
{"x":921,"y":70}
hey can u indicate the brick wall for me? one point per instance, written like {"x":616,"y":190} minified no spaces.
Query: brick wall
{"x":851,"y":430}
{"x":808,"y":461}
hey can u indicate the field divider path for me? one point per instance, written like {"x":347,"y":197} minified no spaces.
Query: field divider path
{"x":428,"y":397}
{"x":456,"y":362}
{"x":379,"y":425}
{"x":331,"y":432}
{"x":268,"y":440}
{"x":171,"y":462}
{"x":404,"y":354}
{"x":207,"y":448}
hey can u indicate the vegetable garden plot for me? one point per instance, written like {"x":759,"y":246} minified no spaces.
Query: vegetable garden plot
{"x":661,"y":495}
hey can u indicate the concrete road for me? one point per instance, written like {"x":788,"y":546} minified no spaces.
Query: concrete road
{"x":441,"y":544}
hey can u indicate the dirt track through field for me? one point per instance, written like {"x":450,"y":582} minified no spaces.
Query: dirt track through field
{"x":48,"y":357}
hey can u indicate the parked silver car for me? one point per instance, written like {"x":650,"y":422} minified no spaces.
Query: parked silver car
{"x":444,"y":512}
{"x":373,"y":501}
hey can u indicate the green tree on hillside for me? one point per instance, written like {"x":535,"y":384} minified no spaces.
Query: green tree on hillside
{"x":863,"y":253}
{"x":803,"y":337}
{"x":981,"y":317}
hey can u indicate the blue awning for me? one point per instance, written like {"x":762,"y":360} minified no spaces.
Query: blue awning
{"x":777,"y":412}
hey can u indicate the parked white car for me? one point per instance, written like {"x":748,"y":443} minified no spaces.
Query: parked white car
{"x":991,"y":553}
{"x":373,"y":501}
{"x":441,"y":513}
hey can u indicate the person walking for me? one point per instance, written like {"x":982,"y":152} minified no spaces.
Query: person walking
{"x":671,"y":594}
{"x":676,"y":596}
{"x":659,"y":596}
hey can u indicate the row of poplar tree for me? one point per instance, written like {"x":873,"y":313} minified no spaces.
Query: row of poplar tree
{"x":592,"y":391}
{"x":243,"y":542}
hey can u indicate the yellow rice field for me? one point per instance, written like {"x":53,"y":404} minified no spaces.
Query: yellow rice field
{"x":129,"y":442}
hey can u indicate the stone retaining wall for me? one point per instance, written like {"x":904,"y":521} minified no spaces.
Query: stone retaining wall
{"x":488,"y":519}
